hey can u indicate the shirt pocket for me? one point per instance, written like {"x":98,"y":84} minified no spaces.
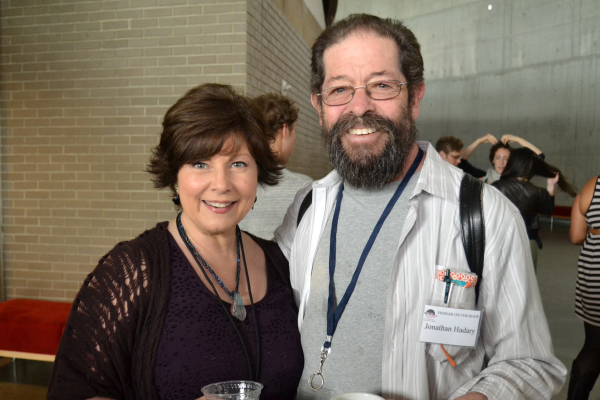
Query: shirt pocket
{"x":461,"y":296}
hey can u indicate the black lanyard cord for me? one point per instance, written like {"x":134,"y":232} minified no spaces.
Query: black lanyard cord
{"x":239,"y":233}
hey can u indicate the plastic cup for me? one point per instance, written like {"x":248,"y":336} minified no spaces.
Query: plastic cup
{"x":233,"y":390}
{"x":357,"y":396}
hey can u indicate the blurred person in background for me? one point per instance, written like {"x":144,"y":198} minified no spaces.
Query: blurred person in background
{"x":585,"y":229}
{"x":450,"y":149}
{"x":272,"y":201}
{"x":531,"y":200}
{"x":500,"y":152}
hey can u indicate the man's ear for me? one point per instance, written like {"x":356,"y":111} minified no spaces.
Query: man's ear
{"x":316,"y":103}
{"x":418,"y":93}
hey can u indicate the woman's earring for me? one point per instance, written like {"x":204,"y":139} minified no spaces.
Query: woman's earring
{"x":176,"y":199}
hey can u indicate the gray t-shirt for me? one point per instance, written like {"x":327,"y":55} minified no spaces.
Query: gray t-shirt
{"x":354,"y":364}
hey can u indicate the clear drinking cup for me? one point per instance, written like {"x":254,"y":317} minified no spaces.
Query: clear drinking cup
{"x":233,"y":390}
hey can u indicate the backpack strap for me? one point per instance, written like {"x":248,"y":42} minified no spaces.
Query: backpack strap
{"x":304,"y":206}
{"x":472,"y":225}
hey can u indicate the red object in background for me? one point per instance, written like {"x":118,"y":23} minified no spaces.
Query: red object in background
{"x":562,"y":212}
{"x":32,"y":326}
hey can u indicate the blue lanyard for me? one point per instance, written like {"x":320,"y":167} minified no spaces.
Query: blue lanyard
{"x":335,"y":313}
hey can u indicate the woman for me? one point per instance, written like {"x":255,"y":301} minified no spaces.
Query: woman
{"x":585,"y":228}
{"x":193,"y":301}
{"x":531,"y":200}
{"x":500,"y":153}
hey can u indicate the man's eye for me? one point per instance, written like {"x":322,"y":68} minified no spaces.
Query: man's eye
{"x":338,"y":90}
{"x":383,"y":85}
{"x":199,"y":165}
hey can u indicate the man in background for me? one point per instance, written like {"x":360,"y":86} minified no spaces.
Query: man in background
{"x":272,"y":202}
{"x":450,"y":149}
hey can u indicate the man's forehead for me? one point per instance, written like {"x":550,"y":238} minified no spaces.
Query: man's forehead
{"x":361,"y":52}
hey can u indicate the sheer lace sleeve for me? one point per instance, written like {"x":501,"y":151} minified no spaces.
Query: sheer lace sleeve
{"x":108,"y":344}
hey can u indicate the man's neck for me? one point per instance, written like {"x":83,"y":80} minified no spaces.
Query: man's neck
{"x":411,"y":157}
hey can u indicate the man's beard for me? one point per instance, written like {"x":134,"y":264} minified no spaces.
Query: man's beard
{"x":362,"y":166}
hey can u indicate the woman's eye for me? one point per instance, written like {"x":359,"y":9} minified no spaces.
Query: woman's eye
{"x":239,"y":164}
{"x":199,"y":165}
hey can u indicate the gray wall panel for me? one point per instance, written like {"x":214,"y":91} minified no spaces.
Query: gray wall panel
{"x":526,"y":67}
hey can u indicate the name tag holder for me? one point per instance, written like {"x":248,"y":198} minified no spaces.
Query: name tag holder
{"x":450,"y":326}
{"x":452,"y":318}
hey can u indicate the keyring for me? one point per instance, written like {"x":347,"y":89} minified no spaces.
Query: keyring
{"x":310,"y":379}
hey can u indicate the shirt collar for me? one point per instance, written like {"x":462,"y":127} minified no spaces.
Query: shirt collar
{"x":438,"y":177}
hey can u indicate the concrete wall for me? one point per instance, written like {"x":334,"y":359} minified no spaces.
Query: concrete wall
{"x":84,"y":88}
{"x":530,"y":68}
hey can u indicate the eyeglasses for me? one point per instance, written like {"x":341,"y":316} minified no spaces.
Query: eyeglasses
{"x":456,"y":155}
{"x":382,"y":90}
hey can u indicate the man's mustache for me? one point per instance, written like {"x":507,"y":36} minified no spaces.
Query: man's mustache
{"x":368,"y":120}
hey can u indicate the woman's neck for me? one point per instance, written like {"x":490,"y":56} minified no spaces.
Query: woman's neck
{"x":208,"y":242}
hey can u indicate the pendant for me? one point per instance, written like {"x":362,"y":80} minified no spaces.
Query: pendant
{"x":237,"y":307}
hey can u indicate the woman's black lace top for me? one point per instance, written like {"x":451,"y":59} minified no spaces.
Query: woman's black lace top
{"x":199,"y":345}
{"x":111,"y":339}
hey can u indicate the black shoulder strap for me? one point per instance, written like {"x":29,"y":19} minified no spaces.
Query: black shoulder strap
{"x":304,"y":206}
{"x":472,"y":225}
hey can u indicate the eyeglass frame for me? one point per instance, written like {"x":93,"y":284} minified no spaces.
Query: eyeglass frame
{"x":359,"y":87}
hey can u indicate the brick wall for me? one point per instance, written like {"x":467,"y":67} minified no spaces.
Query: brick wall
{"x":84,"y":87}
{"x":277,"y":52}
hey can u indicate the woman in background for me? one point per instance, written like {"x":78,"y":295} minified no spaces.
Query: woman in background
{"x":500,"y":153}
{"x":531,"y":200}
{"x":194,"y":300}
{"x":585,"y":228}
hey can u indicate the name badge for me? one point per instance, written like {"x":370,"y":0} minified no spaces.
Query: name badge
{"x":452,"y":326}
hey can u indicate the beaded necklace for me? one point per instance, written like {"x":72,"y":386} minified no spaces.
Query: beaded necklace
{"x":237,"y":306}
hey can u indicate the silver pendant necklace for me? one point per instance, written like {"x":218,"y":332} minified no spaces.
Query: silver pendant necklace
{"x":237,"y":308}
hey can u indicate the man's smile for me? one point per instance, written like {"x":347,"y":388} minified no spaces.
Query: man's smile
{"x":361,"y":131}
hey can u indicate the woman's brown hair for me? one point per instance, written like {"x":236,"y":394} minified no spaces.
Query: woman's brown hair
{"x":197,"y":126}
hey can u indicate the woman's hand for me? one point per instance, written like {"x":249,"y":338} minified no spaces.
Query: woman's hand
{"x":487,"y":138}
{"x":552,"y":183}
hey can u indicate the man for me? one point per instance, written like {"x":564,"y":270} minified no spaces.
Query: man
{"x":450,"y":149}
{"x":367,"y":84}
{"x":273,"y":201}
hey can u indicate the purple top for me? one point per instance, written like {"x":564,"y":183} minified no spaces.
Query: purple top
{"x":199,"y":346}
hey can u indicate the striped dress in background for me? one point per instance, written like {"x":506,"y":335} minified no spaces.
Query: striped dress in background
{"x":587,"y":294}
